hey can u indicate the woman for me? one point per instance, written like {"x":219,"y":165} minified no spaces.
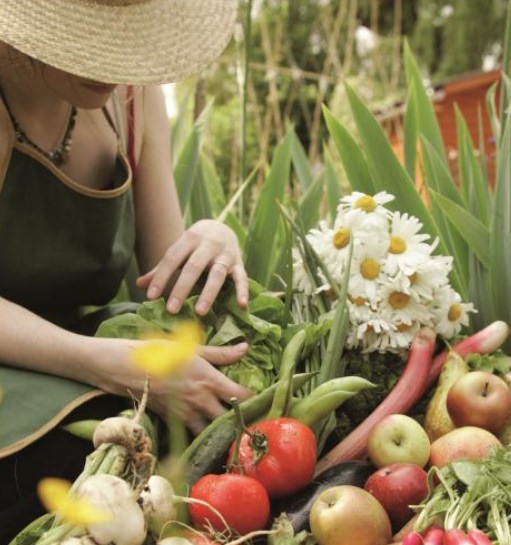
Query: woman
{"x":75,"y":207}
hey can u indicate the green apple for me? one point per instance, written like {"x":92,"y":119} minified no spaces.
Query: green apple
{"x":398,"y":438}
{"x":349,"y":515}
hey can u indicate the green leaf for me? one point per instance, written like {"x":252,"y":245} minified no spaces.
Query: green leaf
{"x":300,"y":162}
{"x":352,"y":156}
{"x":200,"y":206}
{"x":475,"y":187}
{"x":411,"y":132}
{"x":389,"y":174}
{"x":187,"y":164}
{"x":264,"y":226}
{"x":500,"y":232}
{"x":475,"y":233}
{"x":427,"y":120}
{"x":309,"y":207}
{"x":213,"y":185}
{"x":333,"y":187}
{"x":438,"y":178}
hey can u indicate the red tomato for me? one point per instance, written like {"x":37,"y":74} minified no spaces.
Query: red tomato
{"x":289,"y":461}
{"x":242,"y":501}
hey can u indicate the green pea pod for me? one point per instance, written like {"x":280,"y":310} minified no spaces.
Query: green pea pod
{"x":282,"y":398}
{"x":322,"y":401}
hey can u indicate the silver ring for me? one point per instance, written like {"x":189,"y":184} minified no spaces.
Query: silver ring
{"x":218,"y":262}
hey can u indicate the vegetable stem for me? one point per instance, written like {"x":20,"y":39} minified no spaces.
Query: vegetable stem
{"x":401,"y":398}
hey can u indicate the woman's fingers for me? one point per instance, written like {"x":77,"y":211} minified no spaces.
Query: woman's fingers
{"x":240,"y":278}
{"x":223,"y":355}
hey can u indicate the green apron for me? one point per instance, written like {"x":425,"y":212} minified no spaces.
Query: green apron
{"x":62,"y":247}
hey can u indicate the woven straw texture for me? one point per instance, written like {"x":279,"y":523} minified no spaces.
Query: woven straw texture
{"x":120,"y":41}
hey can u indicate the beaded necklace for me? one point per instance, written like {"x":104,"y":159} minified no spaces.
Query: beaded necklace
{"x":59,"y":155}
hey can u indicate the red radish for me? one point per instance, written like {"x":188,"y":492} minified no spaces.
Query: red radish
{"x":401,"y":398}
{"x":434,"y":536}
{"x":457,"y":537}
{"x":484,"y":341}
{"x":412,"y":538}
{"x":479,"y":537}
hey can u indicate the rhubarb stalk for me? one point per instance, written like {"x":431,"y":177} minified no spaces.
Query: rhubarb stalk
{"x":400,"y":399}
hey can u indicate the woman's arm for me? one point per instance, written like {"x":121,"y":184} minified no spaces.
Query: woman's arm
{"x":168,"y":254}
{"x":30,"y":342}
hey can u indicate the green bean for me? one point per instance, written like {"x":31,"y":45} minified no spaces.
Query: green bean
{"x":282,"y":397}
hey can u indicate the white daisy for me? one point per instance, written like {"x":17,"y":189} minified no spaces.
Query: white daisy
{"x":450,"y":312}
{"x":407,"y":249}
{"x":429,"y":276}
{"x":366,"y":212}
{"x":400,"y":307}
{"x":366,"y":271}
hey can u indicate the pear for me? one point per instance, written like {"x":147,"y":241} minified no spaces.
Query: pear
{"x":437,"y":421}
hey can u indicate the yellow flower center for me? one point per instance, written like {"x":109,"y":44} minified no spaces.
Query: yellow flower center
{"x":397,"y":245}
{"x":369,"y":269}
{"x":366,"y":203}
{"x":413,"y":278}
{"x":403,"y":327}
{"x":398,"y":300}
{"x":358,"y":301}
{"x":341,"y":237}
{"x":454,"y":313}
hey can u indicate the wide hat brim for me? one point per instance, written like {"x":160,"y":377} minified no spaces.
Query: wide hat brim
{"x":137,"y":42}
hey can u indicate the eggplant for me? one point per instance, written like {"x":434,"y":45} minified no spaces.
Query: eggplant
{"x":298,"y":506}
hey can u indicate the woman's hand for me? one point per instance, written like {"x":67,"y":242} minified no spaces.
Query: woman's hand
{"x":206,"y":244}
{"x":198,"y":391}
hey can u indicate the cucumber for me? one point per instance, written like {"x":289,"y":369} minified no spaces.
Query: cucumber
{"x":207,"y":453}
{"x":298,"y":506}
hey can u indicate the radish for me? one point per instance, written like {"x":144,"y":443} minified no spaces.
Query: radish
{"x":158,"y":503}
{"x":457,"y":537}
{"x":412,"y":538}
{"x":434,"y":536}
{"x":115,"y":496}
{"x":479,"y":537}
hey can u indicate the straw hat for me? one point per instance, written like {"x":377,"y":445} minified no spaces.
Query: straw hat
{"x":120,"y":41}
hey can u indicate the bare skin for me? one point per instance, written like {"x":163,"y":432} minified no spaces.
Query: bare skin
{"x":40,"y":97}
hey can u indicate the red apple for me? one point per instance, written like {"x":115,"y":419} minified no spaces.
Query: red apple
{"x":398,"y":438}
{"x":481,"y":399}
{"x":346,"y":514}
{"x":396,"y":487}
{"x":465,"y":443}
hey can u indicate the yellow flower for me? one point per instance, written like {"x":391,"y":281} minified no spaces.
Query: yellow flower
{"x":169,"y":353}
{"x":56,"y":497}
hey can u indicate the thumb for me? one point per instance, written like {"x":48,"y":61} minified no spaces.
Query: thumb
{"x":223,"y":355}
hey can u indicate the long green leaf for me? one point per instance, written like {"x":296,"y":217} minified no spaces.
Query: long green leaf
{"x":301,"y":163}
{"x":476,"y":234}
{"x":309,"y":207}
{"x":476,"y":188}
{"x":200,"y":206}
{"x":352,"y":156}
{"x":333,"y":186}
{"x":438,"y":178}
{"x":187,"y":164}
{"x":500,"y":231}
{"x":411,"y":132}
{"x":213,"y":185}
{"x":264,"y":225}
{"x":427,"y":120}
{"x":388,"y":174}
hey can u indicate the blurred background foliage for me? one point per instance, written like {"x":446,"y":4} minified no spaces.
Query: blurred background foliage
{"x":299,"y":55}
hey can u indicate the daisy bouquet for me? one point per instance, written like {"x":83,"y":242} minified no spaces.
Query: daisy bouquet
{"x":396,"y":284}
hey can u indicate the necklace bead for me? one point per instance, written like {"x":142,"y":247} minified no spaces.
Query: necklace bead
{"x":58,"y":156}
